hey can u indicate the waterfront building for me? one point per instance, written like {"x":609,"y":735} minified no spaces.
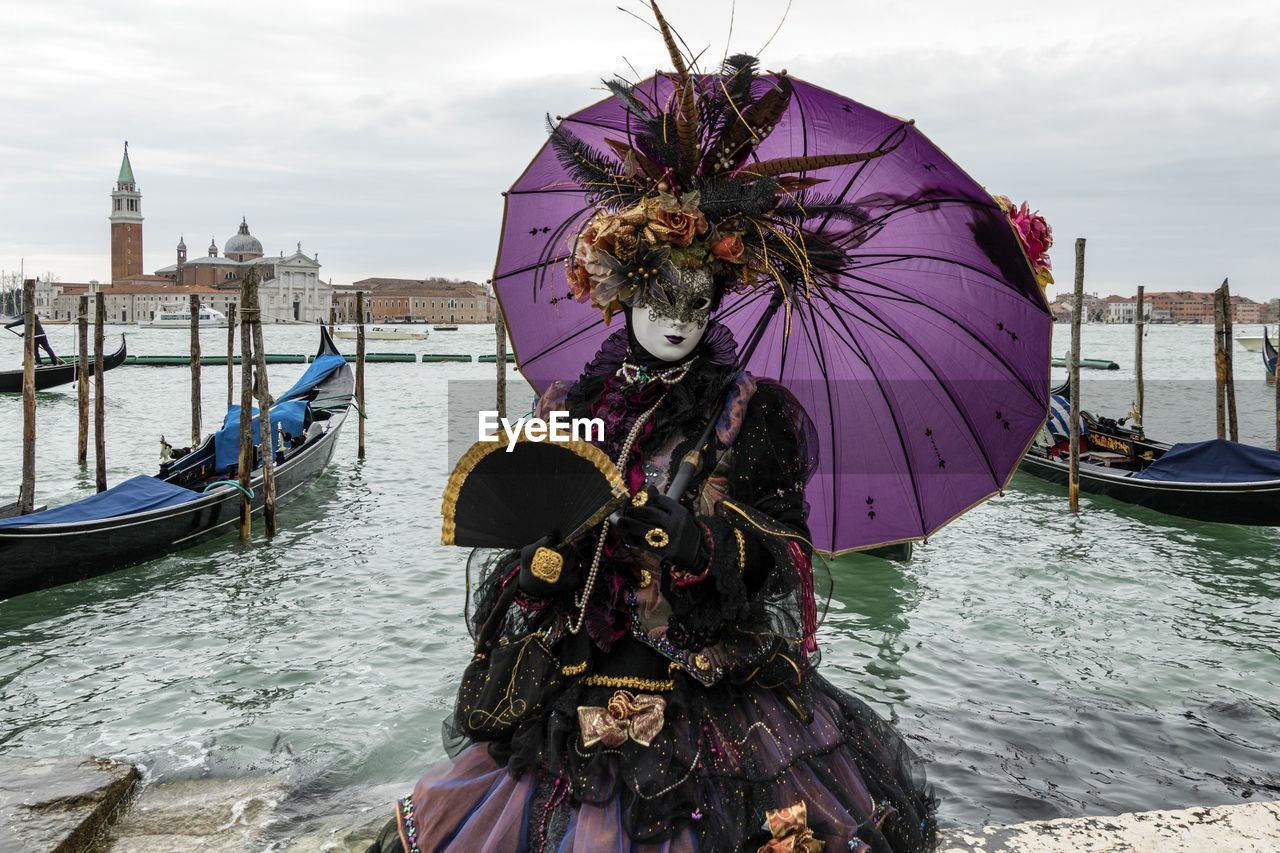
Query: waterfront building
{"x":1185,"y":306}
{"x":406,"y":300}
{"x":1095,"y":308}
{"x":1175,"y":306}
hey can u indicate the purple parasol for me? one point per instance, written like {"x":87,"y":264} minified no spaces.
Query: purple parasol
{"x":923,"y":364}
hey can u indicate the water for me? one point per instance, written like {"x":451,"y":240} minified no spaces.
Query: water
{"x":1046,"y":665}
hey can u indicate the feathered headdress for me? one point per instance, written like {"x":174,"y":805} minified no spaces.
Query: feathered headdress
{"x":684,"y":190}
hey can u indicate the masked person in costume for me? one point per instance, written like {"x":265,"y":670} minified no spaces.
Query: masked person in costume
{"x":683,"y":709}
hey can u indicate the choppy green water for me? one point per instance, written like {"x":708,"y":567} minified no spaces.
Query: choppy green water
{"x":1046,"y":665}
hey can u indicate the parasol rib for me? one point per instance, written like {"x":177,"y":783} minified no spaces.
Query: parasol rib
{"x":966,"y":417}
{"x":899,"y":296}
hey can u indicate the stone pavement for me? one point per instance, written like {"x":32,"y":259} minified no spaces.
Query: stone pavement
{"x":1245,"y":828}
{"x":74,"y":805}
{"x":60,"y":805}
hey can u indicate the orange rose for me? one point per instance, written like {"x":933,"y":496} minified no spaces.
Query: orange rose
{"x":678,"y":227}
{"x":728,"y":248}
{"x":579,"y":281}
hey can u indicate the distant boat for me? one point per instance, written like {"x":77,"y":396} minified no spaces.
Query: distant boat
{"x":384,"y":333}
{"x":192,"y":499}
{"x":52,"y":375}
{"x":1252,"y":341}
{"x":445,"y":327}
{"x":179,"y":317}
{"x":1087,"y":363}
{"x":1218,"y":480}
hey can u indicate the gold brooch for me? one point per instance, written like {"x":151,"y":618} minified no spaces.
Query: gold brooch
{"x":641,"y":498}
{"x":657,"y":538}
{"x":646,"y":578}
{"x":701,"y":662}
{"x":546,"y":564}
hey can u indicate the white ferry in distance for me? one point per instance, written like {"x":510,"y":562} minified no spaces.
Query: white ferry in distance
{"x":179,"y":317}
{"x":383,"y":333}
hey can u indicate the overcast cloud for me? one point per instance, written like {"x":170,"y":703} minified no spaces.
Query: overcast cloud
{"x":380,"y":134}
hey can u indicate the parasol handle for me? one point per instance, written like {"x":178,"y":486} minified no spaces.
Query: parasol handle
{"x":692,"y":460}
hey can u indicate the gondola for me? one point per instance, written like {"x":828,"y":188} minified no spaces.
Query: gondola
{"x":1217,"y":480}
{"x":51,"y":375}
{"x":1269,"y":354}
{"x":193,"y":499}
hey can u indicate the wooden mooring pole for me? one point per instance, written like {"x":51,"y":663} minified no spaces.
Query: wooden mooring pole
{"x":1073,"y":373}
{"x":1233,"y":425}
{"x":82,"y":382}
{"x":333,"y":316}
{"x":195,"y":370}
{"x":500,"y":331}
{"x":27,"y":491}
{"x":1219,"y":367}
{"x":264,"y":418}
{"x":231,"y":354}
{"x":244,"y":466}
{"x":360,"y":373}
{"x":1141,"y":321}
{"x":99,"y":398}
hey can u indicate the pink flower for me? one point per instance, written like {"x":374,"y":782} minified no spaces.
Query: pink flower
{"x":1034,"y":234}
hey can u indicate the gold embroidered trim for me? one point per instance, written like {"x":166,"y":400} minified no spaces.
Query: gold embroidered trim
{"x":574,"y":669}
{"x":742,"y":550}
{"x":789,"y":534}
{"x":627,"y":682}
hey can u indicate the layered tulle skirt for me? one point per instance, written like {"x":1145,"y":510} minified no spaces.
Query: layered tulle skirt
{"x":731,"y":767}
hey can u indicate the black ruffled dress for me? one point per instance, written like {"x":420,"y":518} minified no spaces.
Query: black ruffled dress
{"x":692,"y":715}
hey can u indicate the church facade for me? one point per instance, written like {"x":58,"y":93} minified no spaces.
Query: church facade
{"x":290,"y":289}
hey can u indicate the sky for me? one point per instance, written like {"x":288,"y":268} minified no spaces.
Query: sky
{"x":381,"y":134}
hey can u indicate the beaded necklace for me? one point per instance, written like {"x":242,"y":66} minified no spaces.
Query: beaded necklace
{"x":633,"y":373}
{"x":580,"y":601}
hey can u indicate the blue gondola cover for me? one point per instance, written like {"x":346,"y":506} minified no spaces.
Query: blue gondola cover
{"x":1216,"y":461}
{"x":290,"y":415}
{"x":316,"y":373}
{"x":139,"y":494}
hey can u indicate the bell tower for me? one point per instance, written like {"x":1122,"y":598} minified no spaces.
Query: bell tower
{"x":126,"y":223}
{"x":182,"y":259}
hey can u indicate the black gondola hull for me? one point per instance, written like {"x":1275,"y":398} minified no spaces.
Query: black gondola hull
{"x":53,"y":375}
{"x":1228,"y":503}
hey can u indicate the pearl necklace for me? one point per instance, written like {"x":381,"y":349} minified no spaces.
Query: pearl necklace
{"x":581,"y":600}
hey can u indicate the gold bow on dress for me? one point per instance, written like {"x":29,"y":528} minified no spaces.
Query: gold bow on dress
{"x":790,"y":830}
{"x":628,"y":715}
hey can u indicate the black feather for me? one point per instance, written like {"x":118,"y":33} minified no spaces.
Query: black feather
{"x":625,"y":91}
{"x":726,"y":196}
{"x":804,"y":205}
{"x":599,"y":174}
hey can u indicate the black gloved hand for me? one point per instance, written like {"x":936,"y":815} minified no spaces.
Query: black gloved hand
{"x":552,"y":571}
{"x":664,"y":526}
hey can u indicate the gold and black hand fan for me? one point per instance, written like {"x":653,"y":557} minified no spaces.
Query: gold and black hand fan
{"x":500,"y":498}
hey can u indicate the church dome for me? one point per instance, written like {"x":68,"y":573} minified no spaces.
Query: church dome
{"x":243,"y":243}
